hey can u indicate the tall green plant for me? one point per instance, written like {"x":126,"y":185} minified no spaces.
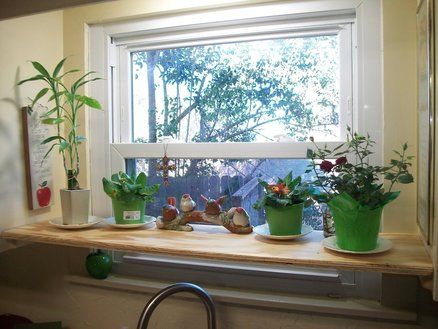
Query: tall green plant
{"x":67,"y":103}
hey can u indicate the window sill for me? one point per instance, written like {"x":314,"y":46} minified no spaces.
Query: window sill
{"x":408,"y":255}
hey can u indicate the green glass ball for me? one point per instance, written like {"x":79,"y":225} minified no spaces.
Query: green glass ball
{"x":99,"y":264}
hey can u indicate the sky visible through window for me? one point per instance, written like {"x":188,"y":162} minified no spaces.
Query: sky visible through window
{"x":258,"y":91}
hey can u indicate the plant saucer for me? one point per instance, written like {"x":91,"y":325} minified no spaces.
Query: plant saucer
{"x":149,"y":221}
{"x":382,"y":246}
{"x":92,"y":220}
{"x":263,"y":231}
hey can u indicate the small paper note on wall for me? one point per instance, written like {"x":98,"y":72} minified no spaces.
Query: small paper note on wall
{"x":38,"y":170}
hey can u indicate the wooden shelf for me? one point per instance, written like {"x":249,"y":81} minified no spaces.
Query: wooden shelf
{"x":408,"y":255}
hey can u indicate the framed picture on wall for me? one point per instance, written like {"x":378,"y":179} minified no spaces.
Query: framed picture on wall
{"x":426,"y":116}
{"x":39,"y":173}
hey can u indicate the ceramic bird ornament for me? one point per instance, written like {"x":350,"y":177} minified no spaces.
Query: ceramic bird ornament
{"x":239,"y":217}
{"x":212,"y":206}
{"x":187,"y":204}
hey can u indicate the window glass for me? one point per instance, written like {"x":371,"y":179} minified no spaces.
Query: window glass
{"x":253,"y":91}
{"x":236,"y":179}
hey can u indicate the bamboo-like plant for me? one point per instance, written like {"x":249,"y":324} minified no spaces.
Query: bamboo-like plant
{"x":64,"y":114}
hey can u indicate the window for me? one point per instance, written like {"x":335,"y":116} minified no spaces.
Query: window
{"x":233,"y":86}
{"x":229,"y":102}
{"x":251,"y":91}
{"x":232,"y":94}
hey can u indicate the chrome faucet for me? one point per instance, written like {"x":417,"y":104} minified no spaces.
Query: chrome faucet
{"x":175,"y":288}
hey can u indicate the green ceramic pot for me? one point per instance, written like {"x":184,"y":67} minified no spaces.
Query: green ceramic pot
{"x":129,"y":212}
{"x":285,"y":220}
{"x":356,"y":229}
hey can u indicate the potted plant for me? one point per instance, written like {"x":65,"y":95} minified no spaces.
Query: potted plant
{"x":354,"y":191}
{"x":284,"y":202}
{"x":66,"y":102}
{"x":129,"y":195}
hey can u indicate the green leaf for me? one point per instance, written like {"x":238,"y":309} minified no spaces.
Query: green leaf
{"x":56,"y":95}
{"x":110,"y":189}
{"x":52,"y":121}
{"x":63,"y":145}
{"x":296,"y":182}
{"x":58,"y":67}
{"x":288,"y":179}
{"x":80,"y":139}
{"x":36,"y":77}
{"x":309,"y":154}
{"x":49,"y":112}
{"x":141,"y":179}
{"x":389,"y":196}
{"x":115,"y":177}
{"x":405,"y":179}
{"x":51,"y":139}
{"x":75,"y":85}
{"x":344,"y":202}
{"x":40,"y":94}
{"x":150,"y":190}
{"x":68,"y":72}
{"x":48,"y":152}
{"x":41,"y":69}
{"x":87,"y":81}
{"x":91,"y":102}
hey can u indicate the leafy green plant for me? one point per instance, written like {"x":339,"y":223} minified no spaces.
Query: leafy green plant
{"x":360,"y":180}
{"x":123,"y":187}
{"x":286,"y":191}
{"x":67,"y":102}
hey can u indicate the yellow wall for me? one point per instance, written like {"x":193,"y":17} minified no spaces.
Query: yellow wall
{"x":32,"y":278}
{"x":37,"y":37}
{"x":400,"y":103}
{"x":399,"y":42}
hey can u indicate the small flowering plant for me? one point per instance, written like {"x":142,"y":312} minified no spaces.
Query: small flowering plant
{"x":286,"y":191}
{"x":360,"y":180}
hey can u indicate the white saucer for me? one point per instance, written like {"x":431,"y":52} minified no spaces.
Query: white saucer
{"x":382,"y":245}
{"x":263,"y":230}
{"x":92,"y":220}
{"x":149,"y":221}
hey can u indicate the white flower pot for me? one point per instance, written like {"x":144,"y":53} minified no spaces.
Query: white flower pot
{"x":75,"y":206}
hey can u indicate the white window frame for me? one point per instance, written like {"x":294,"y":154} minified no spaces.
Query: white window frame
{"x":108,"y":147}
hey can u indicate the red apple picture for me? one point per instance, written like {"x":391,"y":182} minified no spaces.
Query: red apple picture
{"x":43,"y":194}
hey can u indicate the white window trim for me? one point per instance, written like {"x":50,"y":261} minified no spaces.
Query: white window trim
{"x":367,"y":93}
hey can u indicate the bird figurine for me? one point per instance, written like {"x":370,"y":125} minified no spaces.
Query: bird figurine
{"x":187,"y":204}
{"x":212,"y":206}
{"x":239,"y":217}
{"x":169,"y":212}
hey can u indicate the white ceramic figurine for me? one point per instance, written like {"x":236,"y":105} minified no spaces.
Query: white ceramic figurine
{"x":239,"y":216}
{"x":186,"y":203}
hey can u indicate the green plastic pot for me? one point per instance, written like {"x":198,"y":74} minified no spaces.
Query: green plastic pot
{"x":285,"y":220}
{"x":129,"y":212}
{"x":356,"y":229}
